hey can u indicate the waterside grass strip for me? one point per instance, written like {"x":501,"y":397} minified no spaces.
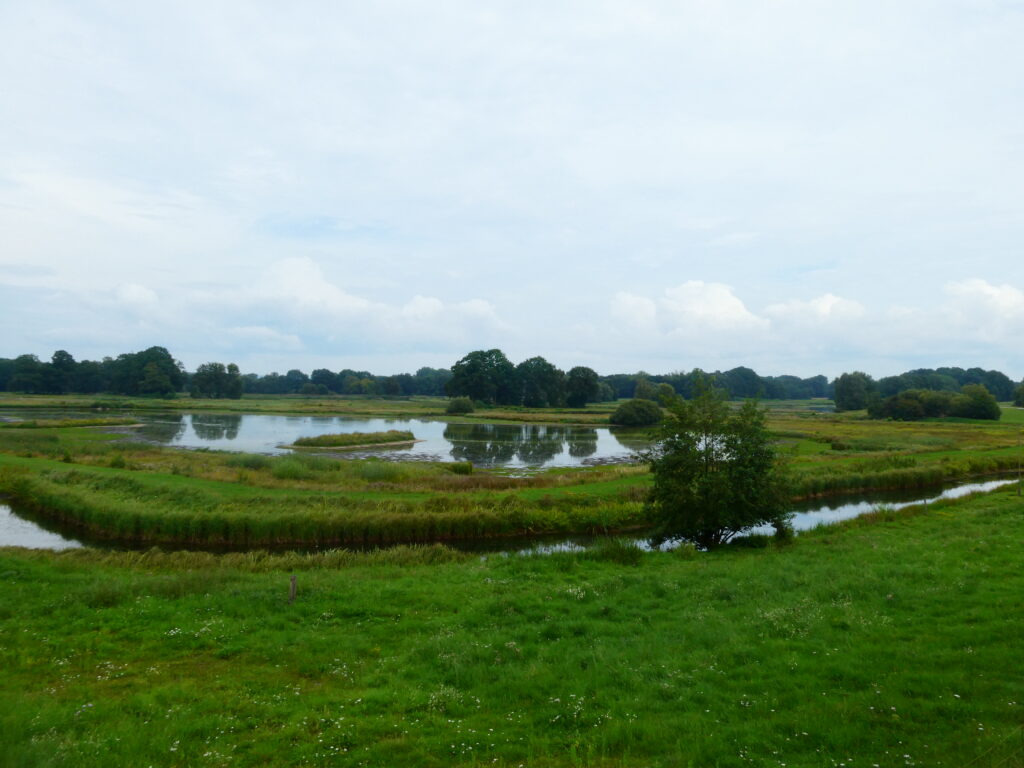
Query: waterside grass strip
{"x":353,"y":440}
{"x":111,"y":505}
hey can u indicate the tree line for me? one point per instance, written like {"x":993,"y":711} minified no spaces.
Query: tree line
{"x":970,"y":393}
{"x":486,"y":376}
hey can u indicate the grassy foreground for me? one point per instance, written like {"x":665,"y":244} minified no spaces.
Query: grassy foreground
{"x":889,"y":641}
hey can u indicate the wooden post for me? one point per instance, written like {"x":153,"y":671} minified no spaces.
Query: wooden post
{"x":291,"y":590}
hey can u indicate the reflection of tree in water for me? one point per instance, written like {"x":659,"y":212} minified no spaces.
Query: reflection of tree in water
{"x":632,"y":438}
{"x":216,"y":426}
{"x":484,"y":444}
{"x":582,"y":442}
{"x":540,"y":444}
{"x":167,"y":429}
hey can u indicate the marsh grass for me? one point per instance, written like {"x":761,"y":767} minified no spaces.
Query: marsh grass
{"x":355,"y":439}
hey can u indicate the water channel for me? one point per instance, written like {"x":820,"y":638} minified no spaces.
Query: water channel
{"x":20,"y":531}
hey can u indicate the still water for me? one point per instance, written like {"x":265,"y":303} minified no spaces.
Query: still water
{"x":486,"y":445}
{"x":18,"y":531}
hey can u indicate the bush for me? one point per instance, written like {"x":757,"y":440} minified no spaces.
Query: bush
{"x":458,"y":406}
{"x":636,"y":413}
{"x":460,"y":467}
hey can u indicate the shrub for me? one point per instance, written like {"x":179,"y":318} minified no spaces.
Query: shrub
{"x":458,"y":406}
{"x":460,"y":468}
{"x":636,"y":413}
{"x":249,"y":461}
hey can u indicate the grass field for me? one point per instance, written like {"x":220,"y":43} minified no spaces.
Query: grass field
{"x":891,"y":641}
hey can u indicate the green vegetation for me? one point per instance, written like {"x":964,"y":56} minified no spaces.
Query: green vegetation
{"x":974,"y":402}
{"x":112,"y":421}
{"x":636,"y":413}
{"x":356,"y":439}
{"x":459,"y":406}
{"x":215,"y":380}
{"x":890,"y":641}
{"x":716,"y":473}
{"x":136,"y":492}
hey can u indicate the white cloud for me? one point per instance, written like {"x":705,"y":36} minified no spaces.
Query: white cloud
{"x":415,"y":184}
{"x":827,"y":307}
{"x":696,"y":307}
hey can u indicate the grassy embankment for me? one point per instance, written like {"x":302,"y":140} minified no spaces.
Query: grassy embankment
{"x":889,"y":641}
{"x":140,"y":493}
{"x":356,"y":439}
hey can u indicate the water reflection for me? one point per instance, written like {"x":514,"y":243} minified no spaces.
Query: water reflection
{"x":582,"y":442}
{"x":209,"y":426}
{"x":633,"y":438}
{"x":530,"y":444}
{"x":165,"y":428}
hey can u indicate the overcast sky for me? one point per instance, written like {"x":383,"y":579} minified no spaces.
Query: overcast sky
{"x":800,"y":187}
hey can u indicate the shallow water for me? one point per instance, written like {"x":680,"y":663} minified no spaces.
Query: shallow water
{"x":517,"y":446}
{"x":17,"y":531}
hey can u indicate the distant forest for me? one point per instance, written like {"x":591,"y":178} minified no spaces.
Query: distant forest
{"x":483,"y":375}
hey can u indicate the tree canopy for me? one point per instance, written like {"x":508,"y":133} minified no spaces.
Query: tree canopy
{"x":715,"y":472}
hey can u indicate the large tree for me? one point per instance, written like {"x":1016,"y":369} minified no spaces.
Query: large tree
{"x":217,"y":381}
{"x":581,"y":386}
{"x":542,"y":385}
{"x":852,"y":391}
{"x":485,"y":375}
{"x":715,"y":472}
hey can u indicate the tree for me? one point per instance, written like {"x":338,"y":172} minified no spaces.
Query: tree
{"x":975,"y":402}
{"x":665,"y":394}
{"x":26,"y":375}
{"x":636,"y":413}
{"x":542,"y":384}
{"x":644,"y":389}
{"x":715,"y":472}
{"x":216,"y":381}
{"x":487,"y":376}
{"x":852,"y":390}
{"x":581,"y":387}
{"x":1018,"y":396}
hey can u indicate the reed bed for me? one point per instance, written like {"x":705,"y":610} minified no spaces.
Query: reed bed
{"x":355,"y":439}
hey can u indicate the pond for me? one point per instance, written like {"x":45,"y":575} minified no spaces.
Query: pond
{"x":486,"y":445}
{"x":20,"y":531}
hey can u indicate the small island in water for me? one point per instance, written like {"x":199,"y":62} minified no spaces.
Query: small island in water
{"x":356,"y":439}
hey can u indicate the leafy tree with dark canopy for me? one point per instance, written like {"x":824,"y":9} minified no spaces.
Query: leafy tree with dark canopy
{"x":542,"y":384}
{"x":581,"y":387}
{"x":715,"y":471}
{"x":852,"y":391}
{"x":487,"y":376}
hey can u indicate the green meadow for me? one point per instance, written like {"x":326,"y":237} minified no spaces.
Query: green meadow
{"x":889,"y":640}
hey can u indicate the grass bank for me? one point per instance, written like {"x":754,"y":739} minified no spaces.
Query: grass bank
{"x":890,"y":642}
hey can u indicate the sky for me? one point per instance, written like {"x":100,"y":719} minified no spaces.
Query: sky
{"x":798,"y":187}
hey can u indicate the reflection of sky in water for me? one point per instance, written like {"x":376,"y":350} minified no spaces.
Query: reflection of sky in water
{"x":17,"y":532}
{"x":488,"y":445}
